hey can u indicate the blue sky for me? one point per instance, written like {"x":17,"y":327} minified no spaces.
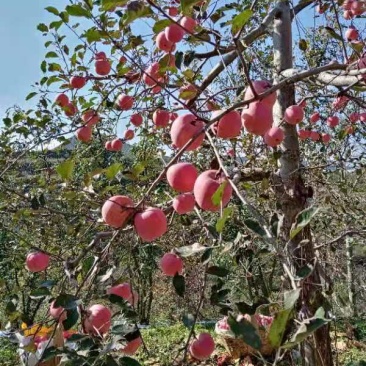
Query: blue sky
{"x":22,"y":47}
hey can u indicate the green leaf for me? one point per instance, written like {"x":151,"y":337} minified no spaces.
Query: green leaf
{"x":141,"y":11}
{"x":51,"y":54}
{"x":246,"y":331}
{"x":217,"y":271}
{"x":52,"y":10}
{"x":92,"y":35}
{"x":111,"y":4}
{"x":190,"y":250}
{"x":128,"y":361}
{"x":217,"y":196}
{"x":278,"y":327}
{"x":39,"y":292}
{"x":65,"y":169}
{"x":161,"y":25}
{"x":290,"y":298}
{"x":255,"y":227}
{"x":186,"y":5}
{"x":333,"y":33}
{"x":305,"y":271}
{"x":179,"y":284}
{"x":112,"y":170}
{"x":240,"y":20}
{"x":31,"y":95}
{"x":222,"y":220}
{"x":303,"y":219}
{"x":303,"y":45}
{"x":42,"y":27}
{"x":66,"y":301}
{"x":72,"y":317}
{"x":77,"y":11}
{"x":44,"y":66}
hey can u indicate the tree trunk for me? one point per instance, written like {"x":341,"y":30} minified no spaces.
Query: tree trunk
{"x":291,"y":194}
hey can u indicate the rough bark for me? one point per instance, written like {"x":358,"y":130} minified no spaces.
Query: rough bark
{"x":292,"y":194}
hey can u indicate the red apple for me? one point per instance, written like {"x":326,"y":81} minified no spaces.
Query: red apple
{"x":116,"y":210}
{"x":37,"y":261}
{"x":77,"y":82}
{"x":98,"y":320}
{"x":182,"y":176}
{"x":184,"y":203}
{"x":150,"y":224}
{"x":171,"y":264}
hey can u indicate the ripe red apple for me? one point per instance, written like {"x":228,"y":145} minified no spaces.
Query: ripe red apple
{"x":150,"y":224}
{"x":108,"y":145}
{"x":340,"y":102}
{"x":362,"y":117}
{"x":122,"y":60}
{"x":184,"y":128}
{"x":172,"y":11}
{"x":136,"y":119}
{"x":228,"y":126}
{"x":98,"y":320}
{"x":62,"y":100}
{"x":84,"y":133}
{"x":171,"y":264}
{"x":294,"y":114}
{"x":315,"y":136}
{"x":361,"y":64}
{"x":184,"y":203}
{"x":202,"y":347}
{"x":173,"y":116}
{"x":303,"y":134}
{"x":100,"y":56}
{"x":77,"y":82}
{"x":188,"y":24}
{"x":151,"y":74}
{"x":346,"y":5}
{"x":156,"y":89}
{"x":37,"y":261}
{"x":162,"y":43}
{"x":332,"y":121}
{"x":326,"y":138}
{"x":116,"y":210}
{"x":258,"y":118}
{"x":124,"y":290}
{"x":70,"y":109}
{"x":348,"y":14}
{"x":57,"y":313}
{"x":129,"y":135}
{"x":274,"y":136}
{"x":116,"y":145}
{"x":358,"y":7}
{"x":90,"y":117}
{"x":315,"y":117}
{"x":354,"y":117}
{"x":161,"y":118}
{"x":102,"y":67}
{"x":174,"y":33}
{"x":182,"y":176}
{"x":205,"y":187}
{"x":132,"y":346}
{"x":351,"y":34}
{"x":231,"y":153}
{"x":261,"y":86}
{"x":124,"y":102}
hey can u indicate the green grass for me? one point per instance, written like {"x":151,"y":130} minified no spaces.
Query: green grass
{"x":8,"y":353}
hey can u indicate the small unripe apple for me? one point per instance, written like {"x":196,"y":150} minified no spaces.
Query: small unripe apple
{"x":62,"y":100}
{"x":257,"y":118}
{"x":184,"y":203}
{"x":84,"y":133}
{"x":274,"y":136}
{"x":163,"y":44}
{"x":184,"y":128}
{"x":332,"y":121}
{"x":77,"y":82}
{"x":125,"y":102}
{"x":228,"y":126}
{"x":294,"y":114}
{"x":174,"y":33}
{"x":171,"y":264}
{"x":203,"y":347}
{"x":98,"y":320}
{"x":90,"y":117}
{"x":206,"y":186}
{"x":182,"y":176}
{"x":315,"y":117}
{"x":102,"y":67}
{"x":161,"y":118}
{"x":188,"y":23}
{"x":37,"y":261}
{"x":136,"y":119}
{"x":116,"y":210}
{"x":150,"y":224}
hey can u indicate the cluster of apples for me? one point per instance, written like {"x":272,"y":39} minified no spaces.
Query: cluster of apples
{"x":353,"y":8}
